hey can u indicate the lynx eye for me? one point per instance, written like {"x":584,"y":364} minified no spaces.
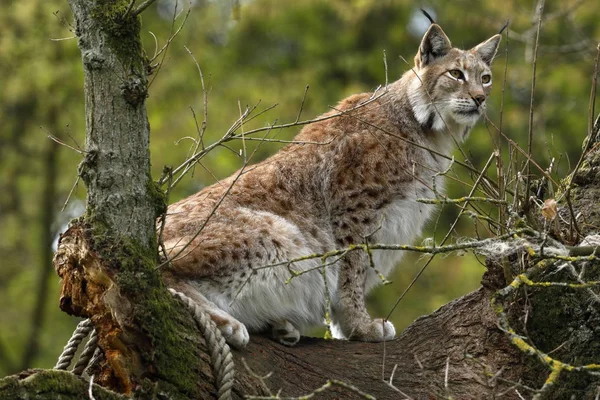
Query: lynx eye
{"x":457,"y":74}
{"x":486,"y":79}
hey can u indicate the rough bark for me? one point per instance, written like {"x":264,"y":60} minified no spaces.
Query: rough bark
{"x":462,"y":333}
{"x":116,"y":168}
{"x":566,"y":322}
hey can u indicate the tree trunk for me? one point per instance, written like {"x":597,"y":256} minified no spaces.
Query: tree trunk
{"x":108,"y":258}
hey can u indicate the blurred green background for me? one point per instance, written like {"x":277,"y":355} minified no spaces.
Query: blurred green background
{"x":261,"y":52}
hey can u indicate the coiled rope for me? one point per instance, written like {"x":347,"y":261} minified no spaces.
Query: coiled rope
{"x":81,"y":332}
{"x":90,"y":349}
{"x":220,"y":353}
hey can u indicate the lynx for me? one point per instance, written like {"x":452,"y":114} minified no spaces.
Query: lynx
{"x":353,"y":178}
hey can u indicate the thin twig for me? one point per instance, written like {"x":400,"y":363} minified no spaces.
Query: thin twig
{"x":171,"y":37}
{"x":57,"y":140}
{"x":70,"y":193}
{"x":499,"y":162}
{"x":129,"y":8}
{"x":200,"y":130}
{"x":61,"y":39}
{"x":420,"y":272}
{"x":540,"y":11}
{"x":302,"y":104}
{"x":461,"y":200}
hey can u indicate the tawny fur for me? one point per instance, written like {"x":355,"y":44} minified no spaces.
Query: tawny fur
{"x":359,"y":183}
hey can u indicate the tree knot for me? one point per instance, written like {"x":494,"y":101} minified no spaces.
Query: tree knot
{"x":134,"y":90}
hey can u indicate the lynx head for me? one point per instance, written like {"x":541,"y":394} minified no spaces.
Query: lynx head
{"x":452,"y":84}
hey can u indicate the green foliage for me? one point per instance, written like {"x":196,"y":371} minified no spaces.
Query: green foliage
{"x":266,"y":57}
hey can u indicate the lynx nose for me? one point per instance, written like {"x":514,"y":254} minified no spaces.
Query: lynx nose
{"x":479,"y":99}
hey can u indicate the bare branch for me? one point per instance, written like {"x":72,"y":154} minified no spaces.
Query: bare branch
{"x":141,"y":7}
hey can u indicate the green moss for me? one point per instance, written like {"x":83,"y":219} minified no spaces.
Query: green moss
{"x":563,"y":325}
{"x":158,"y":196}
{"x":175,"y":364}
{"x":121,"y":29}
{"x":156,"y":313}
{"x":52,"y":385}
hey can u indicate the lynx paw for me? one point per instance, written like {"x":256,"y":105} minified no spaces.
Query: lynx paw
{"x":377,"y":330}
{"x":234,"y":332}
{"x":285,"y":333}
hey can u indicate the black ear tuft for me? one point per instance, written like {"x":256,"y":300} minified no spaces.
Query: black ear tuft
{"x":428,"y":16}
{"x":504,"y":27}
{"x":435,"y":44}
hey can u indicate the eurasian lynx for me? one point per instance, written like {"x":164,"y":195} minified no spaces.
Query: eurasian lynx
{"x":355,"y":178}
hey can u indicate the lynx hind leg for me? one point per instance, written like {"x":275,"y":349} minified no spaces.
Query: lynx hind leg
{"x":376,"y":330}
{"x":234,"y":332}
{"x":285,"y":333}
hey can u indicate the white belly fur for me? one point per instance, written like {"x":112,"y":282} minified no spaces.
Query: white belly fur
{"x":403,"y":222}
{"x":266,"y":297}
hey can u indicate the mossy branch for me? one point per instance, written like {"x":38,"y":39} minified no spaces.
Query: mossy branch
{"x":525,"y":279}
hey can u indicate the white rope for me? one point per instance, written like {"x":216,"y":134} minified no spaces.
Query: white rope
{"x":98,"y":355}
{"x":86,"y":355}
{"x":83,"y":329}
{"x":220,"y":353}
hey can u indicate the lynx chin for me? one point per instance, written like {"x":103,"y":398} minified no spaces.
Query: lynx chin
{"x":359,"y":182}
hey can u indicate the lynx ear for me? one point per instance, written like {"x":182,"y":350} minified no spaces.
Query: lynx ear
{"x":435,"y":44}
{"x":487,"y":50}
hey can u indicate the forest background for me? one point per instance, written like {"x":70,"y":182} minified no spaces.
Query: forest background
{"x":261,"y":53}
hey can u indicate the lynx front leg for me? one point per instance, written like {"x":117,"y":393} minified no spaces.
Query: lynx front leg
{"x":349,"y":313}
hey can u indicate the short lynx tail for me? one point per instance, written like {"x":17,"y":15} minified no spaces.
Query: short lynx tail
{"x":220,"y":354}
